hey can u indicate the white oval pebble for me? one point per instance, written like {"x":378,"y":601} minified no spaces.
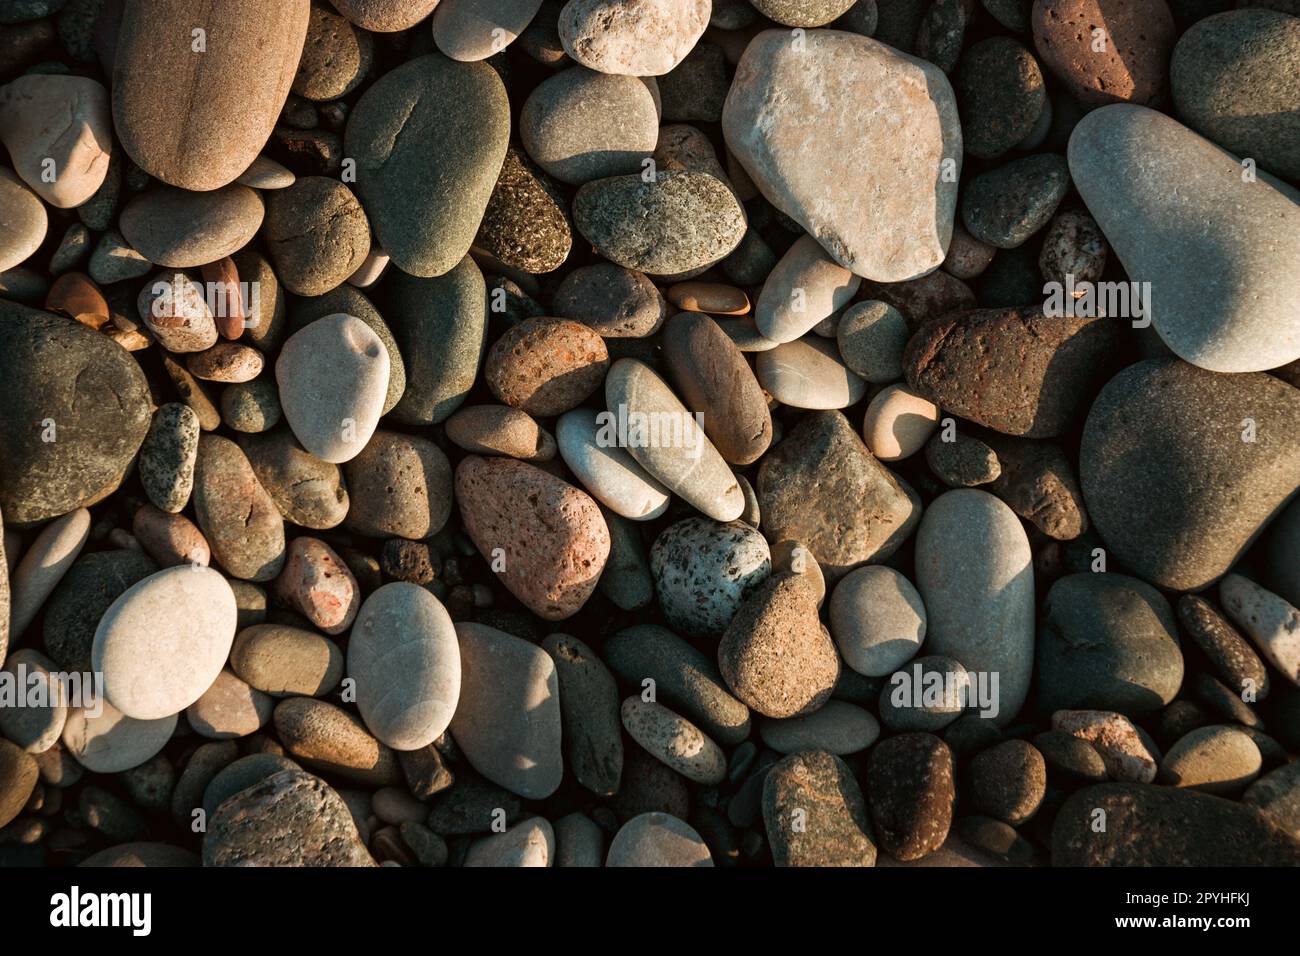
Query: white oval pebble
{"x":42,"y":567}
{"x":610,"y":473}
{"x":104,"y":740}
{"x":808,"y":373}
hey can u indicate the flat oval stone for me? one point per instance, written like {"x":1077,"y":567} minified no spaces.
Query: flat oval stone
{"x":283,"y":661}
{"x":33,"y":727}
{"x":606,"y":470}
{"x":86,"y":591}
{"x":1269,"y":621}
{"x":317,"y":234}
{"x":961,"y":460}
{"x":673,"y":739}
{"x":647,"y":419}
{"x":176,"y":311}
{"x":911,"y":793}
{"x":871,"y":337}
{"x":500,"y":430}
{"x":104,"y":740}
{"x":877,"y":619}
{"x":168,"y":454}
{"x":476,"y":29}
{"x":546,"y":366}
{"x":581,"y":125}
{"x":450,"y":310}
{"x":1107,"y":642}
{"x":164,"y":641}
{"x":704,"y":570}
{"x":307,"y":491}
{"x":808,"y":373}
{"x":317,"y":584}
{"x":677,"y":222}
{"x":1002,"y":96}
{"x":333,"y":378}
{"x":43,"y":565}
{"x":289,"y":819}
{"x":229,"y":709}
{"x":974,"y":570}
{"x":837,"y":727}
{"x":1237,"y":664}
{"x":1131,"y":63}
{"x":685,"y":679}
{"x":228,"y":109}
{"x":325,"y":738}
{"x":78,"y":144}
{"x":1008,"y":781}
{"x":714,"y":380}
{"x":1165,"y":826}
{"x":530,"y":843}
{"x":1200,"y":248}
{"x":775,"y":655}
{"x":235,"y":513}
{"x":508,"y":720}
{"x":56,"y":369}
{"x":550,"y":536}
{"x":814,"y":812}
{"x":425,"y":165}
{"x":405,"y":659}
{"x":589,"y":711}
{"x":1016,"y":371}
{"x":804,"y":287}
{"x":860,"y":510}
{"x":841,"y":116}
{"x":251,"y":407}
{"x":400,"y":485}
{"x":1218,"y":759}
{"x":616,"y":302}
{"x":657,"y":839}
{"x":25,"y":221}
{"x":180,"y":229}
{"x":1175,"y":493}
{"x":634,"y":37}
{"x":898,"y":422}
{"x":1003,"y":207}
{"x":928,"y":693}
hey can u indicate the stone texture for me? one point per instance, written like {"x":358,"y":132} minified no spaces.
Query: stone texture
{"x":181,"y":229}
{"x":307,"y":491}
{"x":911,"y":794}
{"x":525,"y":224}
{"x":167,"y":456}
{"x":546,"y":366}
{"x":632,"y":37}
{"x":78,"y":143}
{"x":235,"y":513}
{"x":877,"y":619}
{"x":657,"y":839}
{"x":325,"y":738}
{"x":399,"y":485}
{"x":589,"y":708}
{"x":282,"y":661}
{"x":616,"y":302}
{"x":814,"y":813}
{"x":87,"y":590}
{"x":317,"y":234}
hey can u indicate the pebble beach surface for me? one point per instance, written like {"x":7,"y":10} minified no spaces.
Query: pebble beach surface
{"x":581,"y":433}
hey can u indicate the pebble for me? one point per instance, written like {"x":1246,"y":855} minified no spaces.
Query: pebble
{"x":1282,"y":548}
{"x":181,"y":229}
{"x":1164,"y":826}
{"x":55,"y":371}
{"x":114,"y":260}
{"x":814,"y":814}
{"x":683,"y":460}
{"x":425,"y":165}
{"x":104,"y":740}
{"x":1002,"y":95}
{"x":673,"y":739}
{"x":237,"y":516}
{"x":634,"y":37}
{"x":550,"y":537}
{"x":608,"y":471}
{"x":530,"y":843}
{"x":251,"y":407}
{"x":1008,"y":781}
{"x":307,"y":491}
{"x":1175,"y":493}
{"x":242,"y":774}
{"x":842,"y":116}
{"x":241,"y":81}
{"x":775,"y":655}
{"x":1073,"y":246}
{"x":546,"y":366}
{"x":657,"y":839}
{"x":1017,"y":371}
{"x":804,"y":287}
{"x":837,"y":727}
{"x":291,"y":818}
{"x":1229,"y":653}
{"x":33,"y":727}
{"x":63,"y":161}
{"x":43,"y":565}
{"x":589,"y":708}
{"x":333,"y":380}
{"x":18,"y":777}
{"x":715,"y":381}
{"x":229,"y":708}
{"x":317,"y":584}
{"x":526,"y":225}
{"x":1217,"y":759}
{"x":263,"y":173}
{"x":400,"y":485}
{"x":1003,"y":207}
{"x":405,"y":660}
{"x":578,"y":841}
{"x":175,"y":310}
{"x":508,"y":720}
{"x":1271,"y":623}
{"x":928,"y":694}
{"x":974,"y":571}
{"x":1107,"y":642}
{"x":626,"y":579}
{"x":1169,"y":245}
{"x":859,"y":512}
{"x":898,"y":423}
{"x":385,"y":16}
{"x":501,"y":430}
{"x":615,"y":302}
{"x":91,"y":585}
{"x":677,"y":222}
{"x":1069,"y":759}
{"x":877,"y":619}
{"x":967,"y":257}
{"x":323,"y":737}
{"x":283,"y":661}
{"x":1127,"y":753}
{"x":871,"y":337}
{"x":25,"y":222}
{"x":335,"y":57}
{"x":715,"y":298}
{"x":1037,"y":481}
{"x":808,"y":373}
{"x":911,"y":793}
{"x":167,"y":456}
{"x":317,"y":234}
{"x":1277,"y":795}
{"x":962,"y":462}
{"x":704,"y":570}
{"x":1131,"y":65}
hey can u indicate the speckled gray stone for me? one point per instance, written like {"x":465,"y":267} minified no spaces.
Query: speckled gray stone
{"x":168,"y":454}
{"x":704,"y":570}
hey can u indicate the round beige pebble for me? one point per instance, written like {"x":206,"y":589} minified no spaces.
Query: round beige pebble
{"x":104,"y":740}
{"x":230,"y":708}
{"x":898,"y":423}
{"x":808,"y":373}
{"x":285,"y":661}
{"x":657,"y":839}
{"x":674,"y":740}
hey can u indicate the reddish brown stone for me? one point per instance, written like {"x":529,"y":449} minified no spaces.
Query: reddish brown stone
{"x":546,"y":366}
